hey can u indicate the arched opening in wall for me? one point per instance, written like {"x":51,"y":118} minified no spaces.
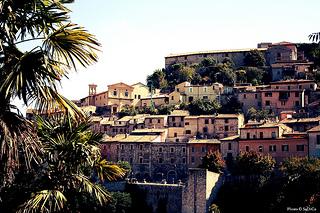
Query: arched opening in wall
{"x":159,"y":177}
{"x":138,"y":176}
{"x":172,"y":176}
{"x":147,"y":177}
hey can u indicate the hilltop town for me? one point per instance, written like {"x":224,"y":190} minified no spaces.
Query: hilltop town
{"x":263,"y":100}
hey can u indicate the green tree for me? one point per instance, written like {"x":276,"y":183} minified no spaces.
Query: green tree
{"x":253,"y":163}
{"x":254,"y":58}
{"x":301,"y":182}
{"x":39,"y":45}
{"x":254,"y":75}
{"x":186,"y":74}
{"x":121,"y":202}
{"x":127,"y":111}
{"x":157,"y":80}
{"x":213,"y":161}
{"x":203,"y":107}
{"x":62,"y":181}
{"x":258,"y":115}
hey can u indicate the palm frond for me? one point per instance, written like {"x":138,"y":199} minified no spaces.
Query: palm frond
{"x":108,"y":171}
{"x":71,"y":43}
{"x":314,"y":37}
{"x":97,"y":191}
{"x":44,"y":201}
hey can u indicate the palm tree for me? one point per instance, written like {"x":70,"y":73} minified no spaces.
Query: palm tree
{"x":64,"y":178}
{"x":39,"y":45}
{"x":314,"y":37}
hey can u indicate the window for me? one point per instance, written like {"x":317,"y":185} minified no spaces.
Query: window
{"x":192,"y":159}
{"x":186,"y":123}
{"x":205,"y":98}
{"x":115,"y":93}
{"x":126,"y":93}
{"x":141,"y":146}
{"x":268,"y":94}
{"x":205,"y":89}
{"x":183,"y":149}
{"x":171,"y":149}
{"x":300,"y":148}
{"x":300,"y":86}
{"x":190,"y":89}
{"x":254,"y":136}
{"x":175,"y":134}
{"x":205,"y":55}
{"x":226,"y":120}
{"x":122,"y":159}
{"x":203,"y":149}
{"x":183,"y":160}
{"x":273,"y":135}
{"x":186,"y":57}
{"x":260,"y":149}
{"x":131,"y":147}
{"x":172,"y":160}
{"x":192,"y":149}
{"x":318,"y":139}
{"x":135,"y":96}
{"x":272,"y":148}
{"x":177,"y":140}
{"x":188,"y":132}
{"x":296,"y":94}
{"x":229,"y":146}
{"x":267,"y":103}
{"x":178,"y":90}
{"x":297,"y":103}
{"x":160,"y":160}
{"x":172,"y":97}
{"x":139,"y":96}
{"x":122,"y":147}
{"x":244,"y":96}
{"x":289,"y":87}
{"x":205,"y":129}
{"x":160,"y":149}
{"x":248,"y":135}
{"x":131,"y":160}
{"x":190,"y":99}
{"x":261,"y":135}
{"x":285,"y":148}
{"x":226,"y":128}
{"x":140,"y":160}
{"x":255,"y":96}
{"x":158,"y":121}
{"x":206,"y":121}
{"x":247,"y":148}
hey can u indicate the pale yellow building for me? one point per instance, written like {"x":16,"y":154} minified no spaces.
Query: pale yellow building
{"x":139,"y":91}
{"x":205,"y":92}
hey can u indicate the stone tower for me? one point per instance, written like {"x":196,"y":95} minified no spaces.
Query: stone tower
{"x":92,"y":89}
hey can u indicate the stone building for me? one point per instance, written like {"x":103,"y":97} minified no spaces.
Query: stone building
{"x":198,"y":148}
{"x":196,"y":194}
{"x":116,"y":97}
{"x":187,"y":59}
{"x":275,"y":139}
{"x":314,"y":141}
{"x":229,"y":147}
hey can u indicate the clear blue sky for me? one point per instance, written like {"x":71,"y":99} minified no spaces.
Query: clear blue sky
{"x":136,"y":35}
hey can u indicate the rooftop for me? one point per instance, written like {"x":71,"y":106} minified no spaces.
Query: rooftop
{"x":179,"y":113}
{"x":230,"y":138}
{"x":301,"y":120}
{"x":315,"y":129}
{"x":139,"y":138}
{"x":214,"y":51}
{"x":292,"y":81}
{"x":207,"y":141}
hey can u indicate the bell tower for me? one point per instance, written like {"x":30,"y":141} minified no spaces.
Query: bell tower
{"x":92,"y":89}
